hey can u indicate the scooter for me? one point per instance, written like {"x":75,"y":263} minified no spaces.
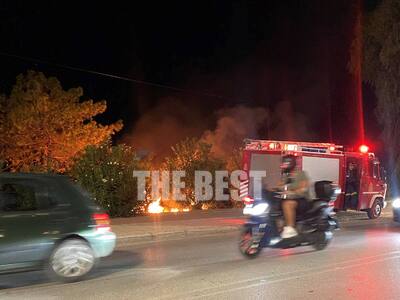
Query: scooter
{"x":315,"y":223}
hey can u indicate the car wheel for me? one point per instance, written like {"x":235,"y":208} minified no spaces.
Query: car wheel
{"x":376,"y":210}
{"x":71,"y":260}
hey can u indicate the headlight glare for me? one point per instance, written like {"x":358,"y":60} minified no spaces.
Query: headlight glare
{"x":396,"y":203}
{"x":260,"y":209}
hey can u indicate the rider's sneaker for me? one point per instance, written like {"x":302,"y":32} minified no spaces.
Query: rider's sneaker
{"x":288,"y":232}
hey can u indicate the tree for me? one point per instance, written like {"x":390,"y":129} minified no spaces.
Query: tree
{"x":44,"y":127}
{"x":192,"y":155}
{"x":106,"y":172}
{"x":380,"y":43}
{"x":234,"y":160}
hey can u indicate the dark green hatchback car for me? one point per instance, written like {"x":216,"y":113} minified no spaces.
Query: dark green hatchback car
{"x":47,"y":221}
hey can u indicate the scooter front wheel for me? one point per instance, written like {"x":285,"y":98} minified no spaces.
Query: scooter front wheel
{"x":247,"y":245}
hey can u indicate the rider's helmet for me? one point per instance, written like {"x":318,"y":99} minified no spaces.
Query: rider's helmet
{"x":288,"y":163}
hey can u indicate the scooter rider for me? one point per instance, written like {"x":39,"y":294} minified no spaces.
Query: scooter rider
{"x":295,"y":186}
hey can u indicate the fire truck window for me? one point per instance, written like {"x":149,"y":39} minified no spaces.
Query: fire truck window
{"x":382,"y":173}
{"x":371,"y":168}
{"x":356,"y":165}
{"x":376,"y":171}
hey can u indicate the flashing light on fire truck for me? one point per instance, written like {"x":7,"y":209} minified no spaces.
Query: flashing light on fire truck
{"x":364,"y":149}
{"x":291,"y":147}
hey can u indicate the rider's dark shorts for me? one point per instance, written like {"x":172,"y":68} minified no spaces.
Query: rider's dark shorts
{"x":302,"y":204}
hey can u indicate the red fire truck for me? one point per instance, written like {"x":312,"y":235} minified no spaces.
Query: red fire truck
{"x":321,"y":161}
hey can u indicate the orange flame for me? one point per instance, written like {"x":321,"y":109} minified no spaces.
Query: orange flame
{"x":204,"y":206}
{"x":155,"y":207}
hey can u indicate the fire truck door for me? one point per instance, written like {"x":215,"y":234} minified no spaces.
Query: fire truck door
{"x":352,"y":186}
{"x":372,"y":186}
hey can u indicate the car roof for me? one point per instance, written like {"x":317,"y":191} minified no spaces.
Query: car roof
{"x":69,"y":194}
{"x":31,"y":175}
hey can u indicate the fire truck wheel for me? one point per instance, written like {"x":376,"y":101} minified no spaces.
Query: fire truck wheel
{"x":376,"y":209}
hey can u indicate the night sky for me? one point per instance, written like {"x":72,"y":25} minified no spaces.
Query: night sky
{"x":284,"y":56}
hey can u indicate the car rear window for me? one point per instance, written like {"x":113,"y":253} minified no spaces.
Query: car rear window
{"x":75,"y":191}
{"x":18,"y":197}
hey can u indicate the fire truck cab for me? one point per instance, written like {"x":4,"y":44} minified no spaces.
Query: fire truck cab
{"x":358,"y":173}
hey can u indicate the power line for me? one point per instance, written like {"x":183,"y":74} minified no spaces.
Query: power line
{"x":113,"y":76}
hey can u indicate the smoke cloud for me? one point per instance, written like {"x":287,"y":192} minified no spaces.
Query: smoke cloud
{"x":287,"y":124}
{"x":169,"y":122}
{"x":233,"y":125}
{"x":173,"y":120}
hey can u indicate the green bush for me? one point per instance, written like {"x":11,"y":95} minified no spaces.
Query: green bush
{"x":106,"y":172}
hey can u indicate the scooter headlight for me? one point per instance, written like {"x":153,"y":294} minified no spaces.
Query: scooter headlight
{"x":259,"y":209}
{"x":396,"y":203}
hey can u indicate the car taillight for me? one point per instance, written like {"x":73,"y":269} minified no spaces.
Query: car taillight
{"x":102,"y":222}
{"x":248,"y":200}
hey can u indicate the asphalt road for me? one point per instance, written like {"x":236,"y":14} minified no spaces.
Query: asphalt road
{"x":362,"y":262}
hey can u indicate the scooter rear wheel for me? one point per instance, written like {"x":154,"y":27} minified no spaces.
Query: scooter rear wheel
{"x":247,"y":245}
{"x":322,"y":240}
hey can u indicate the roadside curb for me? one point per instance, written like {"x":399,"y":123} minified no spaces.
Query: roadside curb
{"x":173,"y":235}
{"x":182,"y":233}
